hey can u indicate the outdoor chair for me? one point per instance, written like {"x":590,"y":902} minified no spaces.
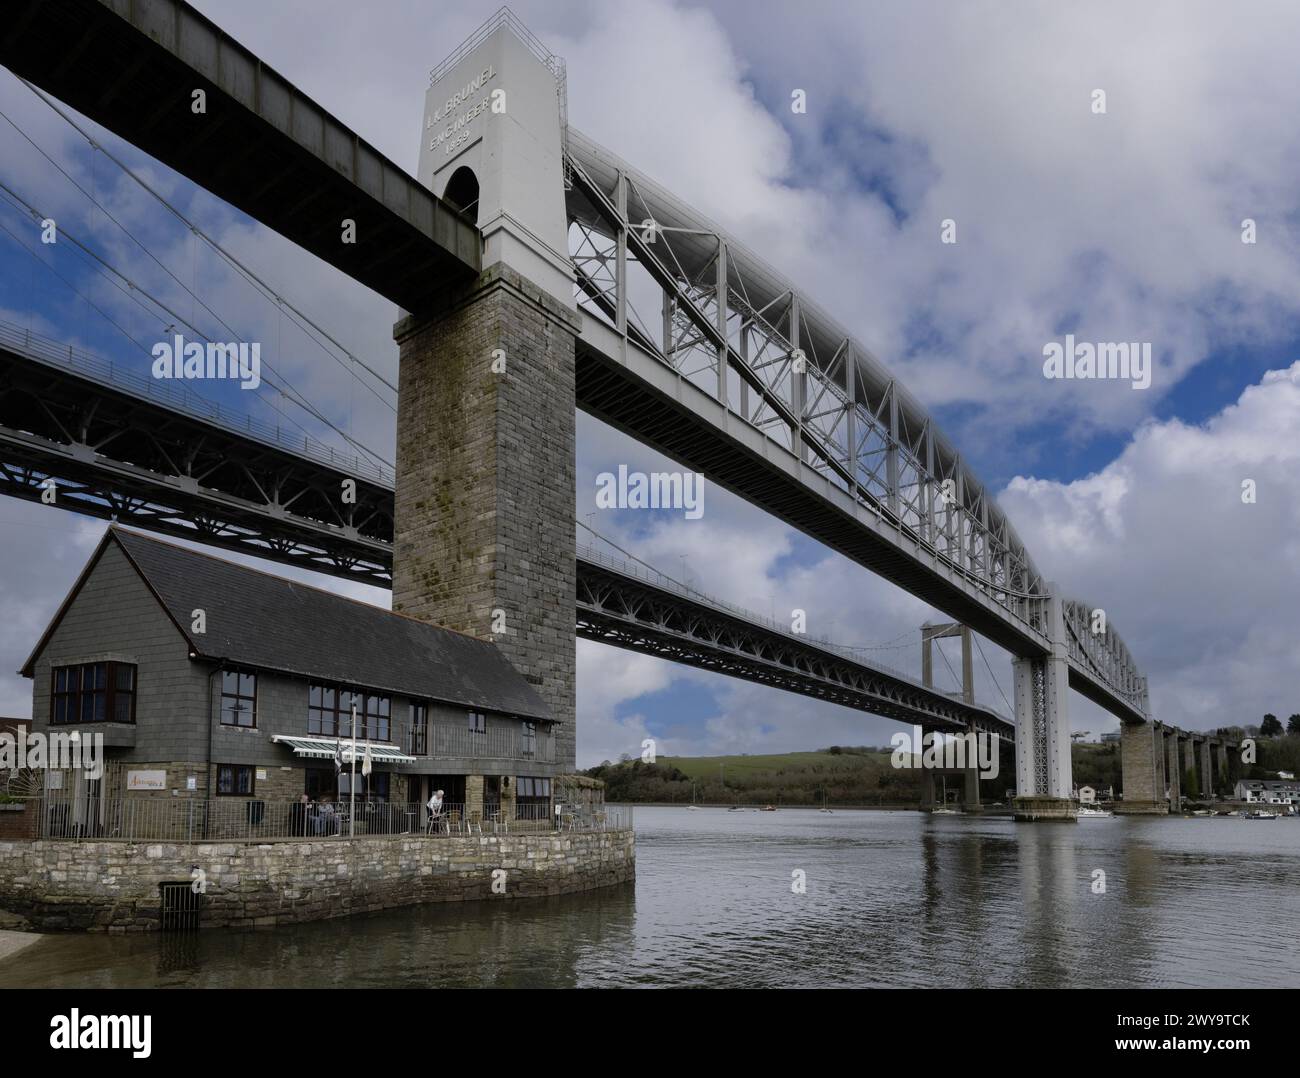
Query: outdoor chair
{"x":475,"y":820}
{"x":453,"y":821}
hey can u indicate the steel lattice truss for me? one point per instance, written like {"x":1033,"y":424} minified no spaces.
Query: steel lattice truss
{"x":678,"y":288}
{"x":158,"y":465}
{"x":626,"y":611}
{"x":1104,"y":653}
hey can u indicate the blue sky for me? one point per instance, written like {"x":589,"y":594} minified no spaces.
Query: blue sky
{"x":1119,"y":226}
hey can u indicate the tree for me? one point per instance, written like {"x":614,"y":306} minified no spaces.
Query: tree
{"x":1293,"y":724}
{"x":1270,"y":727}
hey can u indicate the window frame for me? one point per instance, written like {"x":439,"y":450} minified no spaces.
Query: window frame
{"x":234,"y":770}
{"x":75,"y":701}
{"x":239,"y":672}
{"x":369,"y":722}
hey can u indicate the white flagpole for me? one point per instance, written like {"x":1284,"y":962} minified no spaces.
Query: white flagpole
{"x":352,"y":784}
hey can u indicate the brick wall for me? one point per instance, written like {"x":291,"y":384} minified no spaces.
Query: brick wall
{"x":485,"y":479}
{"x":113,"y":886}
{"x":18,"y":822}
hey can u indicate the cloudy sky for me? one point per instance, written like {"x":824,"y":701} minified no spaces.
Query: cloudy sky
{"x":1125,"y":225}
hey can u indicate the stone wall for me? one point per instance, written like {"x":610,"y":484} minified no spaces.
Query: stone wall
{"x":113,"y":886}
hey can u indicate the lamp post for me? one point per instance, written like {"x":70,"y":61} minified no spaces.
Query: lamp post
{"x":352,"y":781}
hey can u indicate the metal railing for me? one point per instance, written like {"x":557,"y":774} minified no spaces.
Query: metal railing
{"x":242,"y":819}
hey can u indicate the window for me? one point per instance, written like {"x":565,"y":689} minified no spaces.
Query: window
{"x":235,"y":780}
{"x":418,"y":741}
{"x":477,"y":722}
{"x":372,"y":788}
{"x":238,"y":698}
{"x":329,"y":712}
{"x":93,"y":692}
{"x":532,"y":798}
{"x":530,"y":739}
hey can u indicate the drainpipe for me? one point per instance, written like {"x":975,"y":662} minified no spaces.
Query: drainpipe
{"x":207,"y":775}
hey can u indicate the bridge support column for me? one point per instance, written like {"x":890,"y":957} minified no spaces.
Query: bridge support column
{"x":483,"y":529}
{"x":1043,"y":768}
{"x":1223,"y":767}
{"x":927,"y":789}
{"x":1172,"y":771}
{"x":1141,"y":746}
{"x":1188,"y":746}
{"x":1207,"y":770}
{"x":971,"y":794}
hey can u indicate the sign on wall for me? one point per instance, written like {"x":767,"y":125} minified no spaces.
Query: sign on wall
{"x":146,"y":780}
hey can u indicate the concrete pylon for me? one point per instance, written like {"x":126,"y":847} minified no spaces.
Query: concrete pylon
{"x":1141,"y":753}
{"x":1208,"y":785}
{"x":929,"y":634}
{"x":1044,"y":775}
{"x":483,"y":528}
{"x":1189,"y":757}
{"x":1173,"y":771}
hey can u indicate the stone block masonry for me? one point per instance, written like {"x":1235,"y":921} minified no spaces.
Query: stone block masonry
{"x":485,"y":478}
{"x":114,"y":886}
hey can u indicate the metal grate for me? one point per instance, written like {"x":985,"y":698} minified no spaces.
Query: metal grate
{"x":179,"y":907}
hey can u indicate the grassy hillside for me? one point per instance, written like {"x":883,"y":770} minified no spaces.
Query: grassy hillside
{"x":843,"y":775}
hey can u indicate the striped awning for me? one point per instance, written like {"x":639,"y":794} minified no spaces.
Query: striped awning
{"x":322,"y":748}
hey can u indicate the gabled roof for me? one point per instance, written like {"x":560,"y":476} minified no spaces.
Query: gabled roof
{"x":260,"y":620}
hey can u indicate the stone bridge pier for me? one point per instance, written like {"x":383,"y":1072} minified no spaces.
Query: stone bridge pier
{"x":1156,"y":759}
{"x":483,"y":530}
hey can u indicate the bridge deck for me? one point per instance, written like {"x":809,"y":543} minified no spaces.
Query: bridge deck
{"x":262,"y":145}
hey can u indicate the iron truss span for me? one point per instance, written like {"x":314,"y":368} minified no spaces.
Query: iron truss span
{"x":618,"y":605}
{"x":696,"y":346}
{"x":122,"y":447}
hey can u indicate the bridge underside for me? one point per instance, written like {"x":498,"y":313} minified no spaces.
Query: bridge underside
{"x":622,"y":610}
{"x":261,"y":144}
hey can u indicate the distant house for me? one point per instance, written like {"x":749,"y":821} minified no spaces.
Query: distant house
{"x":1090,"y":795}
{"x":1110,"y":738}
{"x":1268,"y":791}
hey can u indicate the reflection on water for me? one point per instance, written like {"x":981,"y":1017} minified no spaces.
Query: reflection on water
{"x":892,"y":899}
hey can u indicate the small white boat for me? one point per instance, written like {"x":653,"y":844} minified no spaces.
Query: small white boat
{"x":944,"y":812}
{"x":1086,"y":812}
{"x":692,"y":808}
{"x":1260,"y":814}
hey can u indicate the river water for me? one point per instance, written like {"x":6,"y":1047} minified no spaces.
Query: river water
{"x":891,"y":899}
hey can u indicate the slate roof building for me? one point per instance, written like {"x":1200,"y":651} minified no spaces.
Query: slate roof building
{"x":210,"y":680}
